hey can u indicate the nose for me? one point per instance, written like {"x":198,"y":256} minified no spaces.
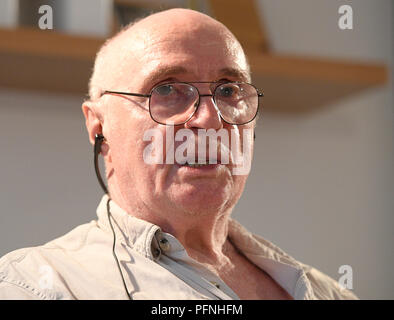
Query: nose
{"x":206,"y":116}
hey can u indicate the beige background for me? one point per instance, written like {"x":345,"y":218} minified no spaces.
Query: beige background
{"x":321,"y":187}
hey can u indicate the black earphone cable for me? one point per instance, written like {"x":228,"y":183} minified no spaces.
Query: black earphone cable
{"x":113,"y":250}
{"x":99,"y":138}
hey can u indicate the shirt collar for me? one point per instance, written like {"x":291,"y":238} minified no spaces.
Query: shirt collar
{"x":147,"y":239}
{"x":136,"y":233}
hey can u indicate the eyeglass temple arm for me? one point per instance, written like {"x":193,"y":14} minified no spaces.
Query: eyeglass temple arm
{"x":127,"y":93}
{"x":260,"y":94}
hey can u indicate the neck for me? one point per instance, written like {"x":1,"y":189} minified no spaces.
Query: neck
{"x":204,"y":238}
{"x":203,"y":235}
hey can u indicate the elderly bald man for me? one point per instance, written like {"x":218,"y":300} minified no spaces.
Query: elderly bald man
{"x":164,"y":229}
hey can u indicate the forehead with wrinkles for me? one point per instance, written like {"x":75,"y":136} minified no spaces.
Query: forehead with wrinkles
{"x":150,"y":39}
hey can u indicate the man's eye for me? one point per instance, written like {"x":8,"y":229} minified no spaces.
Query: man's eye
{"x":164,"y":90}
{"x":227,"y":91}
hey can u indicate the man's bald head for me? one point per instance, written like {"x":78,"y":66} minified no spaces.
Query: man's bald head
{"x":129,"y":43}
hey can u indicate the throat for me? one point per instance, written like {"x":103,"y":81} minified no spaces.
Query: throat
{"x":218,"y":261}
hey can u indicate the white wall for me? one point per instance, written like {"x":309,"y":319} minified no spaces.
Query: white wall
{"x":321,"y":186}
{"x":47,"y":184}
{"x":88,"y":17}
{"x":8,"y":13}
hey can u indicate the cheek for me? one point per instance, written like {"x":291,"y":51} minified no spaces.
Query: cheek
{"x":239,"y":181}
{"x":237,"y":189}
{"x":245,"y":136}
{"x":245,"y":132}
{"x":129,"y":148}
{"x":125,"y":138}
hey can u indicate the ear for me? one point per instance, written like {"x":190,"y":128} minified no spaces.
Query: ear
{"x":92,"y":120}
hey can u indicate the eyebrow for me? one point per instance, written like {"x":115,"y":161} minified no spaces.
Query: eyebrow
{"x":234,"y":73}
{"x":165,"y":72}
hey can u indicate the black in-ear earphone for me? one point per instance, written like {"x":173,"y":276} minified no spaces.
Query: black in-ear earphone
{"x":98,"y":141}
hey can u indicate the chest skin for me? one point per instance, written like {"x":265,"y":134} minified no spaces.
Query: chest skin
{"x":250,"y":282}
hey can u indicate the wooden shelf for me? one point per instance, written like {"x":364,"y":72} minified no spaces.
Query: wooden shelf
{"x":46,"y":60}
{"x":303,"y":84}
{"x":54,"y":62}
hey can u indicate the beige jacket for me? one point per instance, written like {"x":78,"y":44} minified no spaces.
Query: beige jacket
{"x":80,"y":265}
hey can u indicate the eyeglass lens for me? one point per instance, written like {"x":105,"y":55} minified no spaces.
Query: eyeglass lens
{"x":175,"y":103}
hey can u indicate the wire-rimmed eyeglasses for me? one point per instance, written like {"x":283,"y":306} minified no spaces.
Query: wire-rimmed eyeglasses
{"x":175,"y":103}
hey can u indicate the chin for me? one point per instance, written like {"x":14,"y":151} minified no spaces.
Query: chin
{"x":202,"y":200}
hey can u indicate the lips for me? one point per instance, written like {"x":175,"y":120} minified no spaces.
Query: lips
{"x":199,"y":168}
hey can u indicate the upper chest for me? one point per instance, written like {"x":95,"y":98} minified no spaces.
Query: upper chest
{"x":250,"y":282}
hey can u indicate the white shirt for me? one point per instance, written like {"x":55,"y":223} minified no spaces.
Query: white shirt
{"x":155,"y":265}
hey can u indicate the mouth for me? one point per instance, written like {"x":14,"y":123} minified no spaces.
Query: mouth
{"x":195,"y":165}
{"x":199,"y":167}
{"x":200,"y":164}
